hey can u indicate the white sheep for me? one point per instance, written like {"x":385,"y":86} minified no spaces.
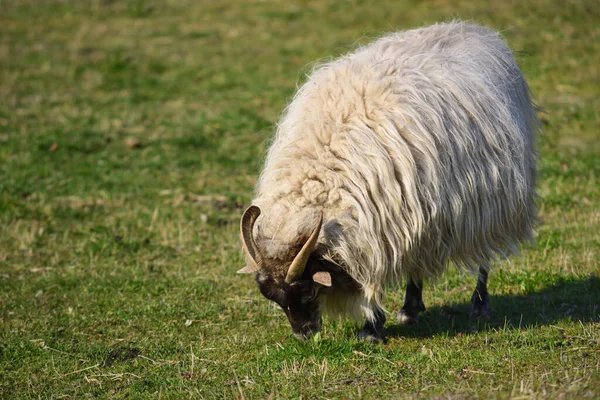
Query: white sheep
{"x":410,"y":153}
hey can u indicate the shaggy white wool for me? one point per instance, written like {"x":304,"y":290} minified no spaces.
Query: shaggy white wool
{"x":417,"y":148}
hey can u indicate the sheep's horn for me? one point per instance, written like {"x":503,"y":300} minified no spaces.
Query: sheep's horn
{"x":297,"y":268}
{"x":246,"y":228}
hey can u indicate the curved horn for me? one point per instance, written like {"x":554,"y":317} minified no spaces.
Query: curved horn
{"x":297,"y":268}
{"x":246,"y":228}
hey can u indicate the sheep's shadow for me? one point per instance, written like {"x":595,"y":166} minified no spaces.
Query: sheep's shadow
{"x":577,"y":300}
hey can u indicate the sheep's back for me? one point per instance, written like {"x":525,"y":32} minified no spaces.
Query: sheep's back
{"x":419,"y":150}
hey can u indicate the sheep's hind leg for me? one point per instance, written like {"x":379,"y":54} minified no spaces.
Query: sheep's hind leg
{"x":372,"y":331}
{"x":413,"y":304}
{"x":481,"y":300}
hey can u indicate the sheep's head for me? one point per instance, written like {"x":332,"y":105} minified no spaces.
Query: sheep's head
{"x":298,"y":286}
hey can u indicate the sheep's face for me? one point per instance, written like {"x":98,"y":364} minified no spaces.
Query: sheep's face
{"x":302,"y":302}
{"x":297,"y":286}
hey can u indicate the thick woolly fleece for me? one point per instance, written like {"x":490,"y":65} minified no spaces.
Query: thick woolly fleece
{"x":419,"y":151}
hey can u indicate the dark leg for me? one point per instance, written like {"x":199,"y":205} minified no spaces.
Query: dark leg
{"x":413,"y":304}
{"x":481,"y":299}
{"x":372,"y":331}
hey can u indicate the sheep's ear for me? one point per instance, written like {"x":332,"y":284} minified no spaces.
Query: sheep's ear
{"x":322,"y":278}
{"x":248,"y":269}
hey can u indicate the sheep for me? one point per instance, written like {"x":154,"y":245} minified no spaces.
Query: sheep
{"x":390,"y":163}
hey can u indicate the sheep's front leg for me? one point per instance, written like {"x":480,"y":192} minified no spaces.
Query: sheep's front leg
{"x":372,"y":331}
{"x":481,"y":300}
{"x":413,"y":304}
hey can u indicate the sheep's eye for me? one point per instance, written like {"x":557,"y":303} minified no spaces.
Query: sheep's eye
{"x":310,"y":296}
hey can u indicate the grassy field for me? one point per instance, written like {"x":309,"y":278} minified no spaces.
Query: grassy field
{"x":131,"y":136}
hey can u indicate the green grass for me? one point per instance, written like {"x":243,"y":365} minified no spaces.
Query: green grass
{"x":131,"y":136}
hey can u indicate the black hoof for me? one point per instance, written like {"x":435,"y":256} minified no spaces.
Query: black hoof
{"x":409,"y":314}
{"x":369,"y":336}
{"x":480,"y":305}
{"x":406,"y":317}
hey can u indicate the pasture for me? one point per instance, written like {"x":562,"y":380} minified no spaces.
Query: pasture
{"x":131,"y":136}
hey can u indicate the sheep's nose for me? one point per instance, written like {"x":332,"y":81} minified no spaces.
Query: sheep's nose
{"x":303,"y":337}
{"x":308,"y":331}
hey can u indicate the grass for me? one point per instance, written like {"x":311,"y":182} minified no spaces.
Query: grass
{"x":131,"y":135}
